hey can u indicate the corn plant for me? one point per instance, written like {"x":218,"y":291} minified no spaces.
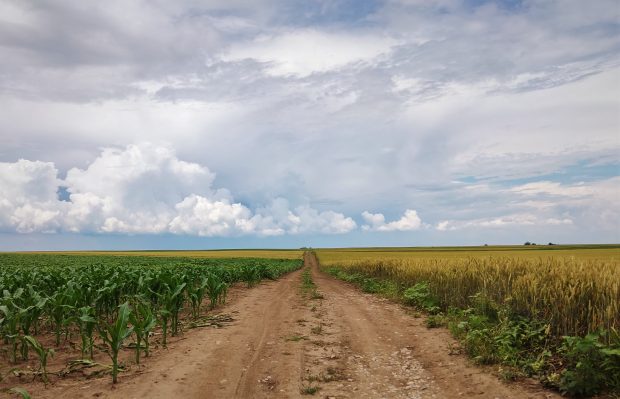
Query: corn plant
{"x":59,"y":312}
{"x":43,"y":354}
{"x":27,"y":317}
{"x":164,"y":316}
{"x":86,"y":323}
{"x":171,"y":301}
{"x":37,"y":303}
{"x":216,"y":290}
{"x":115,"y":334}
{"x":143,"y":322}
{"x":108,"y":298}
{"x":250,"y":274}
{"x":196,"y":294}
{"x":10,"y":329}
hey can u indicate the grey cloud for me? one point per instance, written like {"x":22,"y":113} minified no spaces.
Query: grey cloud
{"x":72,"y":51}
{"x":66,"y":50}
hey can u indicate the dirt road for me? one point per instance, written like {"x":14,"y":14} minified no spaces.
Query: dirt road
{"x":283,"y":344}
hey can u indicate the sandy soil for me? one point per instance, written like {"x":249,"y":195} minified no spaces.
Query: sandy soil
{"x":283,"y":344}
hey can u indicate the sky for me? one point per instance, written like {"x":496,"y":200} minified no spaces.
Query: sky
{"x":326,"y":123}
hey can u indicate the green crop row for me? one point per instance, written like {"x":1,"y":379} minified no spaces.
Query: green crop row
{"x":111,"y":298}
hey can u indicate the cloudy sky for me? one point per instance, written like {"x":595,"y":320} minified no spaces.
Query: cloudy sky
{"x":282,"y":123}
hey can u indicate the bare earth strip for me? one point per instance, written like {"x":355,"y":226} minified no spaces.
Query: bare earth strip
{"x":346,"y":345}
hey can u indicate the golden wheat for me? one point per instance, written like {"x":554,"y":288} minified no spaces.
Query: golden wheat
{"x":575,"y":295}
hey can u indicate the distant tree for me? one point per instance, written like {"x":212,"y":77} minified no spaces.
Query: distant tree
{"x":551,"y":243}
{"x":527,"y":243}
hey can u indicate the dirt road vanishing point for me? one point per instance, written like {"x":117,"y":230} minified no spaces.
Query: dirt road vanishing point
{"x":283,"y":344}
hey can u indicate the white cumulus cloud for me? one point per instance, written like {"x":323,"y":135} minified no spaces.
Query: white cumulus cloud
{"x":206,"y":217}
{"x":144,"y":189}
{"x":28,"y":199}
{"x":376,"y":222}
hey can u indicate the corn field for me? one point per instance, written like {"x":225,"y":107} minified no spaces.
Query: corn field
{"x":574,"y":296}
{"x":95,"y":301}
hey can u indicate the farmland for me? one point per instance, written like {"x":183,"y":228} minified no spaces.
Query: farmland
{"x":212,"y":254}
{"x":490,"y":294}
{"x":576,"y":289}
{"x":248,"y":323}
{"x":98,"y":303}
{"x":603,"y":252}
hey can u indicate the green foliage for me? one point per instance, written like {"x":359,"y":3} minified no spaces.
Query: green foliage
{"x":20,"y":391}
{"x":372,"y":285}
{"x":309,"y":389}
{"x":29,"y":310}
{"x":216,"y":290}
{"x":308,"y":287}
{"x":420,"y":296}
{"x":59,"y":310}
{"x":196,"y":292}
{"x":523,"y":343}
{"x":592,"y":365}
{"x":10,"y":325}
{"x":307,"y":284}
{"x":115,"y":334}
{"x":42,"y":353}
{"x":251,"y":274}
{"x":76,"y":295}
{"x":86,"y":323}
{"x":175,"y":305}
{"x":435,"y":321}
{"x":170,"y":298}
{"x":143,"y":321}
{"x":482,"y":304}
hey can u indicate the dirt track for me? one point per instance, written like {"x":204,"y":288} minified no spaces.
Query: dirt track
{"x":349,"y":345}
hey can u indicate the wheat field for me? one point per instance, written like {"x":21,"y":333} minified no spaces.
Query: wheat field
{"x":574,"y":289}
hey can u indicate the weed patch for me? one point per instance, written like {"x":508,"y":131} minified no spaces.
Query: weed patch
{"x":309,"y":389}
